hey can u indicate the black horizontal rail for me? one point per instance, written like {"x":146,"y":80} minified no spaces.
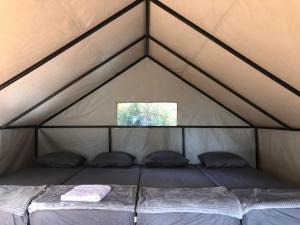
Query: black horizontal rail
{"x":85,"y":74}
{"x":70,"y":44}
{"x":95,"y":89}
{"x":116,"y":126}
{"x":201,"y":91}
{"x":227,"y":47}
{"x":205,"y":73}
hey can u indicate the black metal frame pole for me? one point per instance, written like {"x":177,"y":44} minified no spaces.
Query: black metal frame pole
{"x":227,"y":48}
{"x":36,"y":142}
{"x":256,"y":148}
{"x":85,"y":74}
{"x":205,"y":73}
{"x":202,"y":92}
{"x":183,"y":141}
{"x":109,"y":140}
{"x":70,"y":44}
{"x":95,"y":89}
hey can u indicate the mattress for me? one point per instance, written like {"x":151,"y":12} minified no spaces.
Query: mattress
{"x":33,"y":176}
{"x":187,"y":177}
{"x":38,"y":176}
{"x":247,"y":177}
{"x":241,"y":178}
{"x":174,"y":177}
{"x":120,"y":176}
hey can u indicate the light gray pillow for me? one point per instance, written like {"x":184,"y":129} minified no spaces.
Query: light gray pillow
{"x":60,"y":160}
{"x":222,"y":160}
{"x":112,"y":159}
{"x":165,"y":159}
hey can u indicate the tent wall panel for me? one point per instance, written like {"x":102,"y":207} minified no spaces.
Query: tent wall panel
{"x":33,"y":29}
{"x":85,"y":141}
{"x":83,"y":86}
{"x":264,"y":31}
{"x":146,"y":82}
{"x":210,"y":87}
{"x":238,"y":141}
{"x":225,"y":67}
{"x":280,"y":153}
{"x":72,"y":63}
{"x":142,"y":141}
{"x":16,"y":148}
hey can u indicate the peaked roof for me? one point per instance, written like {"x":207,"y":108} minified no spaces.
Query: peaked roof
{"x":243,"y":54}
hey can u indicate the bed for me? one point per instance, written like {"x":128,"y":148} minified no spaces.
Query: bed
{"x":186,"y":177}
{"x":39,"y":176}
{"x":33,"y":176}
{"x":112,"y":176}
{"x":248,"y":178}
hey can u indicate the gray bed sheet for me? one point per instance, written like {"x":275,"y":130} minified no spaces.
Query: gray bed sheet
{"x":119,"y":176}
{"x":187,"y":177}
{"x":38,"y":176}
{"x":247,"y":177}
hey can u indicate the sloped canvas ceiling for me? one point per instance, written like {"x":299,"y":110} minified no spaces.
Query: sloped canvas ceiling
{"x":146,"y":82}
{"x":265,"y":32}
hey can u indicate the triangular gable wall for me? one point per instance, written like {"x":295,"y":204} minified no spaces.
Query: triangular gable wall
{"x":268,"y":93}
{"x":146,"y":82}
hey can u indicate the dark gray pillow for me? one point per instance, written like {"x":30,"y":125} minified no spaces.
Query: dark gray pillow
{"x":112,"y":159}
{"x":222,"y":159}
{"x":60,"y":160}
{"x":165,"y":159}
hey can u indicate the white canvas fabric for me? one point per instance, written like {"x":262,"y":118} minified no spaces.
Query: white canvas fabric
{"x":87,"y":142}
{"x":238,"y":141}
{"x":142,"y":141}
{"x":16,"y":149}
{"x":64,"y":68}
{"x":146,"y":82}
{"x":279,"y":153}
{"x":83,"y":86}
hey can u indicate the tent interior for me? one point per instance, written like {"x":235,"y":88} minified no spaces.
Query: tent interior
{"x":232,"y":68}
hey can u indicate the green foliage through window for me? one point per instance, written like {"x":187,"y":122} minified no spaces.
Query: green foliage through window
{"x":147,"y":114}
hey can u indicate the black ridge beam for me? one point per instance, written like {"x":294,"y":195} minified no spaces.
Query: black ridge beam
{"x":70,"y":44}
{"x":74,"y":81}
{"x":227,"y":47}
{"x":147,"y":27}
{"x":204,"y":93}
{"x":278,"y":128}
{"x":116,"y":126}
{"x":219,"y":82}
{"x":95,"y":89}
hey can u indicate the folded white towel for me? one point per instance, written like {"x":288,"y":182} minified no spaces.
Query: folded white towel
{"x":86,"y":193}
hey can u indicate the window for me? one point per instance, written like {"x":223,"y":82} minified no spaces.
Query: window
{"x":147,"y":114}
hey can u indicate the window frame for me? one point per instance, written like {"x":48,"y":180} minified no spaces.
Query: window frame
{"x":144,"y":102}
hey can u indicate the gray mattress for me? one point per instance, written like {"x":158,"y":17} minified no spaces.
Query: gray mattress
{"x":188,"y":177}
{"x":235,"y":178}
{"x":174,"y":177}
{"x":120,"y":176}
{"x":38,"y":176}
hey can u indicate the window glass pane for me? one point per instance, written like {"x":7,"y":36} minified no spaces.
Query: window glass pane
{"x":147,"y":114}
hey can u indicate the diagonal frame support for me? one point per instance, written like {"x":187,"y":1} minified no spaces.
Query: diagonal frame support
{"x":227,"y":48}
{"x":205,"y":73}
{"x":70,"y":44}
{"x":199,"y":90}
{"x":74,"y":81}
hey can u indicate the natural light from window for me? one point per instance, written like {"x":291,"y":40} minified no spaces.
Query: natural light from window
{"x":147,"y":114}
